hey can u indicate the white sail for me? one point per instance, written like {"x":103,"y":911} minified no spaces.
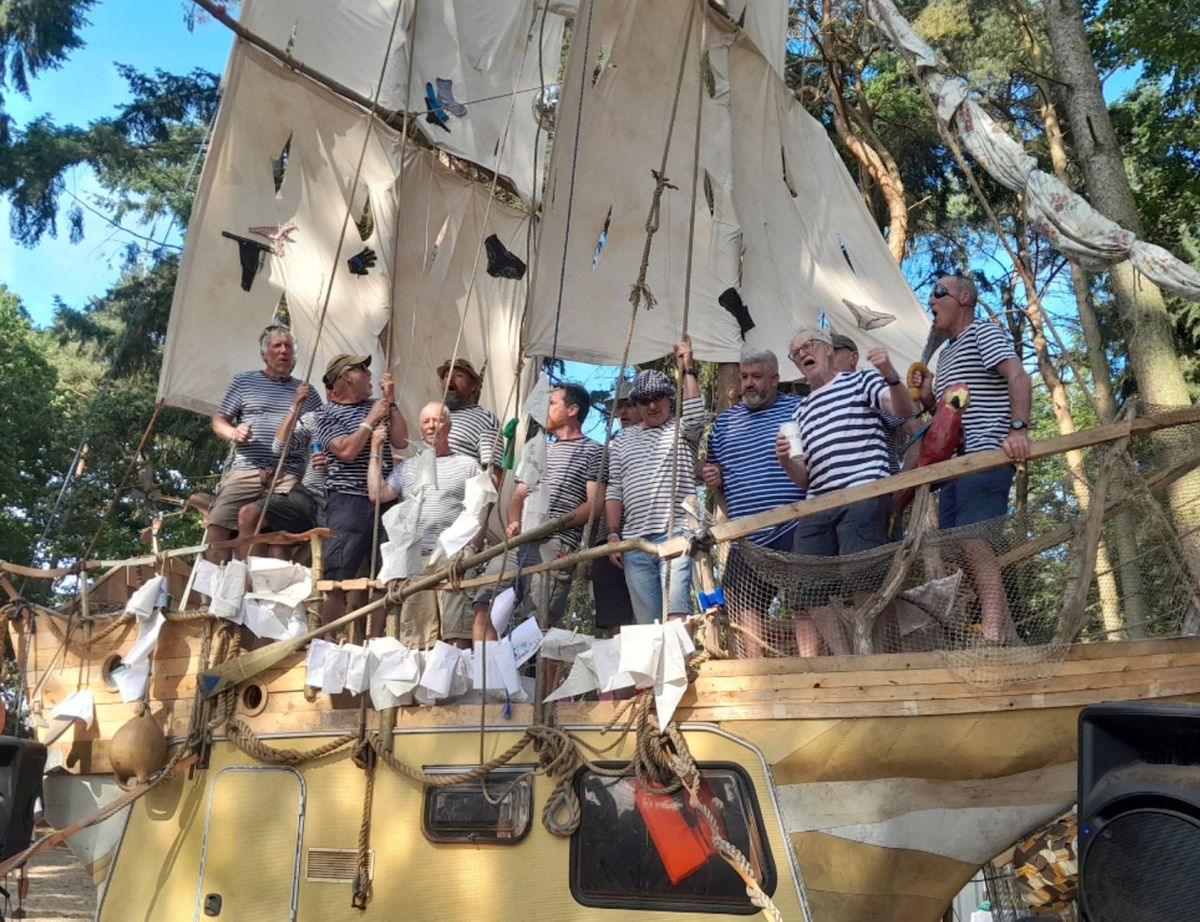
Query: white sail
{"x":214,"y":322}
{"x":486,"y":49}
{"x":785,"y":213}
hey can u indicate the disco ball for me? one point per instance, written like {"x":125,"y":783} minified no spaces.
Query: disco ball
{"x":545,"y":106}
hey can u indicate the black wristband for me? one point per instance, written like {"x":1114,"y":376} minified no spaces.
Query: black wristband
{"x":892,"y":381}
{"x":691,"y":371}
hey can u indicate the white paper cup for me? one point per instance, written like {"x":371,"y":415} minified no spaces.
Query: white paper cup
{"x":791,"y":431}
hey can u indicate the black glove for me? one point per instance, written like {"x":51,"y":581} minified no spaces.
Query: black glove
{"x":362,"y":262}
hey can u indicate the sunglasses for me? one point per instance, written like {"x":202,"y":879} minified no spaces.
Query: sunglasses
{"x":646,"y":401}
{"x":941,"y":291}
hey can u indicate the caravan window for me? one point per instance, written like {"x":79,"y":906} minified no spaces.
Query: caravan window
{"x":631,"y":842}
{"x":491,"y":810}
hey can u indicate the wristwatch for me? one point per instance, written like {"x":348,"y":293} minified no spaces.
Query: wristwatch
{"x":893,"y":380}
{"x":691,"y":371}
{"x":1018,"y":425}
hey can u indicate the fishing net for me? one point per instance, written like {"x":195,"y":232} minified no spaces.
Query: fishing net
{"x":1104,"y":545}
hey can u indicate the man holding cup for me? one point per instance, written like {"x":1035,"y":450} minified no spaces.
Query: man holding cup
{"x":740,"y":464}
{"x":844,"y":443}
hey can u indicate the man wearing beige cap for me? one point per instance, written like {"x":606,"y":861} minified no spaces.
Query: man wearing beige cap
{"x":344,"y":428}
{"x":253,"y":407}
{"x":474,"y":430}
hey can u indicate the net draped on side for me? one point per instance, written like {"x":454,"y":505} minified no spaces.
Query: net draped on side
{"x":1003,"y":597}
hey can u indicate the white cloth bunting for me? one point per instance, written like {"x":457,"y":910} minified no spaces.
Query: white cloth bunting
{"x":79,"y":705}
{"x":480,"y":494}
{"x":228,"y":592}
{"x":144,"y":598}
{"x":650,"y":656}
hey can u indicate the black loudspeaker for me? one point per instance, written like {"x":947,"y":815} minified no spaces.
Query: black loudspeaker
{"x":21,"y":765}
{"x":1139,"y":812}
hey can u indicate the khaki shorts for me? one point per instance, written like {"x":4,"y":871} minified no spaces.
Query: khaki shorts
{"x":426,"y":616}
{"x":242,"y":485}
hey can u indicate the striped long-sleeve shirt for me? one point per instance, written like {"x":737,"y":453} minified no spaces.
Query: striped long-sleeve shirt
{"x":643,"y":468}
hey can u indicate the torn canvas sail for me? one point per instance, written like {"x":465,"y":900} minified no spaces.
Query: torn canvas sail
{"x":453,"y":65}
{"x":777,"y":216}
{"x":435,"y":267}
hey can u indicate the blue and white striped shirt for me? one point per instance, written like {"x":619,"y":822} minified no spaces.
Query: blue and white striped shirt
{"x":263,"y":402}
{"x":742,"y":442}
{"x":845,"y":440}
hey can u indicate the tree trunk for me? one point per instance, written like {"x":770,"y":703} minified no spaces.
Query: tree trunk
{"x":1133,"y":592}
{"x":866,"y":146}
{"x":1151,"y":346}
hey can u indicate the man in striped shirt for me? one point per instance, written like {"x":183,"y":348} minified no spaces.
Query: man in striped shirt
{"x":740,"y":463}
{"x":979,"y":355}
{"x":426,"y":616}
{"x":845,"y":444}
{"x":569,"y":485}
{"x":344,"y":427}
{"x":475,"y":430}
{"x":302,"y":507}
{"x":251,"y":410}
{"x":651,"y":474}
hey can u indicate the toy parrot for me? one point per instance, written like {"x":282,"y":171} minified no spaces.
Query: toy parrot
{"x":940,"y":437}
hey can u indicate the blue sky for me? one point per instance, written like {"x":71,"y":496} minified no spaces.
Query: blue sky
{"x":147,"y":34}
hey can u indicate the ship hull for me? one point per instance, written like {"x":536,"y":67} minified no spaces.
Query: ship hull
{"x":883,"y":782}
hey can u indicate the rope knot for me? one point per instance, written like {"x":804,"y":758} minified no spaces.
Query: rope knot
{"x":364,"y":755}
{"x":394,"y":589}
{"x":701,"y":542}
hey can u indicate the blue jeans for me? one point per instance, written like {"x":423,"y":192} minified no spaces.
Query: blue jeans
{"x":645,"y":575}
{"x":975,"y":497}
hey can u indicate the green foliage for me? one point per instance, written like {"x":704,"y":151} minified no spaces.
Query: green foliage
{"x":27,"y":381}
{"x":37,"y":35}
{"x":142,"y":156}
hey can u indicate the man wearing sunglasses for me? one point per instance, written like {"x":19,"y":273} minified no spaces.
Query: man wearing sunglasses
{"x":981,"y":355}
{"x":344,"y":427}
{"x":652,"y":471}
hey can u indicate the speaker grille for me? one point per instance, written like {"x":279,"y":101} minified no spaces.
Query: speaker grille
{"x":1143,"y":866}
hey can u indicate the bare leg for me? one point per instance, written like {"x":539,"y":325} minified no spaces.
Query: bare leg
{"x":482,"y":628}
{"x":808,"y":641}
{"x":248,"y":525}
{"x":995,"y":618}
{"x":217,"y":533}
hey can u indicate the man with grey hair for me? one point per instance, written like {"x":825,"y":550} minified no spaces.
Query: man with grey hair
{"x":980,"y":355}
{"x":248,"y":416}
{"x":740,"y":464}
{"x":845,"y":444}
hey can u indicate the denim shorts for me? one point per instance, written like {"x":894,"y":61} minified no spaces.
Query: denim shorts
{"x":845,"y":530}
{"x":975,"y":497}
{"x":646,"y":574}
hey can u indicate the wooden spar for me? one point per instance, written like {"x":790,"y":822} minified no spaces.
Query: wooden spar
{"x":113,"y":566}
{"x":943,"y":470}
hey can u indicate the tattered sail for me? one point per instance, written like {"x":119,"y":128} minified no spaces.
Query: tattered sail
{"x":425,"y":283}
{"x":777,"y":215}
{"x":473,"y":55}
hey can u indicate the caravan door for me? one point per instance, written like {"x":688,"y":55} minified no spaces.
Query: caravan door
{"x":250,"y":854}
